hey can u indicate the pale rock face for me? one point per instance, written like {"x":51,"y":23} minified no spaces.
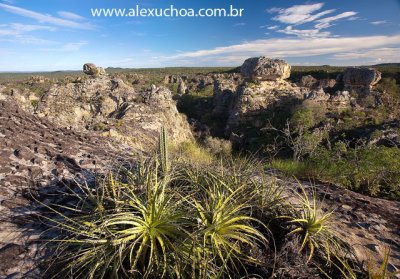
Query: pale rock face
{"x":182,"y":88}
{"x":114,"y":108}
{"x":308,"y":81}
{"x":359,"y":78}
{"x":38,"y":79}
{"x":341,"y":99}
{"x":253,"y":102}
{"x":327,"y":83}
{"x":37,"y":155}
{"x":224,"y":95}
{"x":265,"y":69}
{"x":91,"y":69}
{"x":318,"y":96}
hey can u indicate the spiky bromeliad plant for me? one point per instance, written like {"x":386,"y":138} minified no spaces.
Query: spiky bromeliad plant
{"x":122,"y":232}
{"x":313,"y":226}
{"x":143,"y":228}
{"x":226,"y":233}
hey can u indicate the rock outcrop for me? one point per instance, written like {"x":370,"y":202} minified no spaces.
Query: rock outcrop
{"x":254,"y":103}
{"x":182,"y":88}
{"x":265,"y":69}
{"x":92,"y":70}
{"x":111,"y":107}
{"x":308,"y":81}
{"x":224,"y":96}
{"x":38,"y":156}
{"x":246,"y":104}
{"x":360,"y":79}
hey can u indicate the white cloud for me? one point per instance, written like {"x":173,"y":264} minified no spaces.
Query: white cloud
{"x":374,"y":55}
{"x":285,"y":48}
{"x":299,"y":14}
{"x":45,"y":18}
{"x":26,"y":39}
{"x":305,"y":33}
{"x":69,"y":15}
{"x":326,"y":22}
{"x":69,"y":47}
{"x":239,"y":24}
{"x":274,"y":27}
{"x":14,"y":29}
{"x":19,"y":33}
{"x":23,"y":28}
{"x":379,"y":22}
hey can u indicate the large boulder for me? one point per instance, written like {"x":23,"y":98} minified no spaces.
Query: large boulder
{"x":360,"y":78}
{"x":92,"y":70}
{"x":265,"y":69}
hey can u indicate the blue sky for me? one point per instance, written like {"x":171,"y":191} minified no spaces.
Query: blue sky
{"x":62,"y":35}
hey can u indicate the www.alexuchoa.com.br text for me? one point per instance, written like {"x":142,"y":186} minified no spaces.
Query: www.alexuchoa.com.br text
{"x":170,"y":11}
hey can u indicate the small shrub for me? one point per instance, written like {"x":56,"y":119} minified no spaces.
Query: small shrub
{"x":303,"y":118}
{"x":218,"y":146}
{"x":371,"y":170}
{"x":290,"y":167}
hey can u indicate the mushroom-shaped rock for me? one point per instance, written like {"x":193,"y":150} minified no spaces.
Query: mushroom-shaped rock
{"x":92,"y":70}
{"x":361,"y":77}
{"x":265,"y":69}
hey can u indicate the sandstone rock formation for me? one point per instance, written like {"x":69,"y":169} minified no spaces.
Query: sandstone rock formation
{"x":359,"y":78}
{"x":245,"y":105}
{"x":224,"y":96}
{"x":265,"y":69}
{"x":341,"y":99}
{"x":36,"y":155}
{"x":327,"y":83}
{"x":253,"y":103}
{"x":182,"y":88}
{"x":111,"y":107}
{"x":318,"y":96}
{"x":248,"y":106}
{"x":92,"y":70}
{"x":38,"y":79}
{"x":308,"y":81}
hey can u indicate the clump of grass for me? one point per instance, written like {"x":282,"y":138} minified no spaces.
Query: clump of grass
{"x":382,"y":271}
{"x":192,"y":153}
{"x":34,"y":104}
{"x":218,"y":146}
{"x":166,"y":218}
{"x":370,"y":170}
{"x":290,"y":167}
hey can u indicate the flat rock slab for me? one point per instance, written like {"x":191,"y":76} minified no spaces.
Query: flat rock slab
{"x":35,"y":154}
